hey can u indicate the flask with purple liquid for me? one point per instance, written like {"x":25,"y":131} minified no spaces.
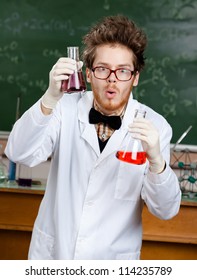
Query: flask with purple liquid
{"x":24,"y":176}
{"x":76,"y":81}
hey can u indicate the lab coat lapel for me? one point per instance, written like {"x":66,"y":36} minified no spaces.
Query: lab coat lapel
{"x":88,"y":132}
{"x":89,"y":135}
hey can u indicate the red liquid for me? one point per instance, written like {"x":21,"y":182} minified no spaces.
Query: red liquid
{"x":75,"y":83}
{"x":139,"y":158}
{"x":24,"y":182}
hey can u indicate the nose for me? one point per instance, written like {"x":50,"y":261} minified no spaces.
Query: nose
{"x":112,"y":78}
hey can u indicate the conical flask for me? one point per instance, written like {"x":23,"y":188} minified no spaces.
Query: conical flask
{"x":133,"y":151}
{"x":76,"y":81}
{"x":24,"y":175}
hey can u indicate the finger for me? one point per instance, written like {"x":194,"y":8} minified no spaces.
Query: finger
{"x":136,"y":132}
{"x":143,"y":126}
{"x":62,"y":71}
{"x":144,"y":139}
{"x":134,"y":129}
{"x":66,"y":65}
{"x":79,"y":65}
{"x":141,"y":137}
{"x":61,"y":78}
{"x":66,"y":60}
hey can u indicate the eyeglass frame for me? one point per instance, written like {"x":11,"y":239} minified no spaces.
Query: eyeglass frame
{"x":133,"y":72}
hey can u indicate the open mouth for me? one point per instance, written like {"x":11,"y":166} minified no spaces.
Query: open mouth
{"x":110,"y":93}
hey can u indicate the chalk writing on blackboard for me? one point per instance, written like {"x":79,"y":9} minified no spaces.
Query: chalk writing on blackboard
{"x":16,"y":24}
{"x":23,"y":82}
{"x":52,"y":53}
{"x":7,"y":51}
{"x":156,"y":75}
{"x":176,"y":10}
{"x":106,"y":5}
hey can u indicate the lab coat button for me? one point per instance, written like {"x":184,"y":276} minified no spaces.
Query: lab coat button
{"x":90,"y":203}
{"x":81,"y":240}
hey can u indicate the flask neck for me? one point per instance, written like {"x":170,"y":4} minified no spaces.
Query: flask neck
{"x":140,"y":114}
{"x":73,"y":52}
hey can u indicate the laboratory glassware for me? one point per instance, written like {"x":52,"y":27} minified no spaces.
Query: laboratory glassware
{"x":76,"y":81}
{"x":133,"y":151}
{"x":3,"y":168}
{"x":24,"y":176}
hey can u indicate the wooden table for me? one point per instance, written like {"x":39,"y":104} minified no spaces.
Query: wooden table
{"x":18,"y":210}
{"x":172,"y":239}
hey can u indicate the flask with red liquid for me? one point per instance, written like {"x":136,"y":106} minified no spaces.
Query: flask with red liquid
{"x":76,"y":81}
{"x":133,"y":151}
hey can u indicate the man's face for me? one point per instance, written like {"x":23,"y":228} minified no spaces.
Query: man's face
{"x":110,"y":94}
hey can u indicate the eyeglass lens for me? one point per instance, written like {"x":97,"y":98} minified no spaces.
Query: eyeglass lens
{"x":121,"y":74}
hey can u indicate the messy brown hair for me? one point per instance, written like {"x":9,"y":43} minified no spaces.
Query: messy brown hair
{"x":115,"y":30}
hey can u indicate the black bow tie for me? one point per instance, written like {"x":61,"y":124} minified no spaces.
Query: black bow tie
{"x":96,"y":117}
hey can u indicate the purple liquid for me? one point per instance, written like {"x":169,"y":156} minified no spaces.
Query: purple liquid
{"x":24,"y":182}
{"x":75,"y":83}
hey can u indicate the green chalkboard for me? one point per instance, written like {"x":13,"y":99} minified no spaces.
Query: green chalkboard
{"x":34,"y":34}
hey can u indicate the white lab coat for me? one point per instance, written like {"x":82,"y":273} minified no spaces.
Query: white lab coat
{"x":93,"y":202}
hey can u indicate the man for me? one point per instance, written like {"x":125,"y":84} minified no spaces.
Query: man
{"x":93,"y":202}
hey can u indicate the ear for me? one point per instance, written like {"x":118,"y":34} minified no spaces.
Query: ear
{"x":136,"y":79}
{"x":88,"y":75}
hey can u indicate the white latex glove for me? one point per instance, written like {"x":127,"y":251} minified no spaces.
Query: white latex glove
{"x":142,"y":129}
{"x":61,"y":71}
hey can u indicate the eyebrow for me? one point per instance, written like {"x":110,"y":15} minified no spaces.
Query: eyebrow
{"x":119,"y":65}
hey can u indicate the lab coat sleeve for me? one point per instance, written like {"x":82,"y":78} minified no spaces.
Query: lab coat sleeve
{"x":33,"y":137}
{"x":161,"y":192}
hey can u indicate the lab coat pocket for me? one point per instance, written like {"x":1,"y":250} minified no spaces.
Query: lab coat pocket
{"x":129,"y":181}
{"x":42,"y":246}
{"x":128,"y":256}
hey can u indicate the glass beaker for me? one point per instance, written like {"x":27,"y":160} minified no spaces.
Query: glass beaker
{"x":133,"y":151}
{"x":76,"y":81}
{"x":3,"y":168}
{"x":24,"y":176}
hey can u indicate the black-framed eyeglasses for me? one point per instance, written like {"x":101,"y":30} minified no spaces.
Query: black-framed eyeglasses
{"x":122,"y":74}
